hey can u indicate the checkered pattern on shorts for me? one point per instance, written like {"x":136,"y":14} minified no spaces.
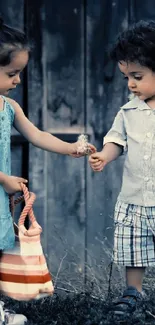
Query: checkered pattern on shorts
{"x":134,"y":236}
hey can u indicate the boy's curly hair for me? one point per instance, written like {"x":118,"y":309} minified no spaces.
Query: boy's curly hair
{"x":136,"y":44}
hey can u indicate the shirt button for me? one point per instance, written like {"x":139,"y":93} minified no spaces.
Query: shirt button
{"x":148,"y":113}
{"x":148,"y":134}
{"x":146,"y":157}
{"x":146,"y":179}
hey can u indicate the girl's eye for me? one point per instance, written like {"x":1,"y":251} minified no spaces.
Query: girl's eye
{"x":125,"y":77}
{"x":11,"y":75}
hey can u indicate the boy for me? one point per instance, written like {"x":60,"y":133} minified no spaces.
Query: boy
{"x":133,"y":132}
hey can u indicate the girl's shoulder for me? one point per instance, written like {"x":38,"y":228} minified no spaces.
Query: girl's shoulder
{"x":9,"y":106}
{"x":9,"y":101}
{"x":13,"y":104}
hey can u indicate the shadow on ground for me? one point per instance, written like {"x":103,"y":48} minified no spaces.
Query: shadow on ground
{"x":79,"y":309}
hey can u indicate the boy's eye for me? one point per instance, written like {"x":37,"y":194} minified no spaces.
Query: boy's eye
{"x":135,"y":77}
{"x":138,"y":77}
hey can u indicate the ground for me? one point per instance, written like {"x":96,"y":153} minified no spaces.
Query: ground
{"x":79,"y":309}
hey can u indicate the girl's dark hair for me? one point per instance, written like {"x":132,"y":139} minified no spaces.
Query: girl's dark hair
{"x":11,"y":40}
{"x":136,"y":44}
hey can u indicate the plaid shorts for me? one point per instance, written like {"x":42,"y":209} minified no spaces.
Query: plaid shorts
{"x":134,"y":236}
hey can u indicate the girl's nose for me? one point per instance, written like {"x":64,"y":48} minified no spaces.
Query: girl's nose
{"x":17,"y":80}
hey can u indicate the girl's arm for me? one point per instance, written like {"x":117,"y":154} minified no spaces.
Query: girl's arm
{"x":41,"y":139}
{"x":11,"y":184}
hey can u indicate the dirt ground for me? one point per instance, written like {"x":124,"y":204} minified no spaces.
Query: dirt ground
{"x":79,"y":309}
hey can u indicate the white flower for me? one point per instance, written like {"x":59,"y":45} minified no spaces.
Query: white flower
{"x":83,"y":144}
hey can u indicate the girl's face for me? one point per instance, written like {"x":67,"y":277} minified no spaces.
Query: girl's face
{"x":10,"y":74}
{"x":141,"y":80}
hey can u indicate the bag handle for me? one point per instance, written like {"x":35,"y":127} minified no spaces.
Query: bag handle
{"x":29,"y":198}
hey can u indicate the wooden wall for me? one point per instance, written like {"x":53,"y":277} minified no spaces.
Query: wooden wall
{"x":70,"y":87}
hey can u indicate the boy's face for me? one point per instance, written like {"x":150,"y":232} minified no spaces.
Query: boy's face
{"x":10,"y":74}
{"x":141,"y":80}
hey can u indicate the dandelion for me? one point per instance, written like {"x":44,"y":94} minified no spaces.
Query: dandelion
{"x":83,"y":144}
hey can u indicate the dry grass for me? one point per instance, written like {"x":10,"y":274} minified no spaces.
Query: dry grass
{"x":72,"y":308}
{"x":74,"y":305}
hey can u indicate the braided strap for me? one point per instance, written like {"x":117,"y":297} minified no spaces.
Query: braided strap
{"x":29,"y":197}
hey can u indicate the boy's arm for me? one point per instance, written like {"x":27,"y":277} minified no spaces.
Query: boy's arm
{"x":115,"y":142}
{"x":110,"y":152}
{"x":41,"y":139}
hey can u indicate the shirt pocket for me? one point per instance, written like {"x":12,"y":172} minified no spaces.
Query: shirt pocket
{"x":136,"y":136}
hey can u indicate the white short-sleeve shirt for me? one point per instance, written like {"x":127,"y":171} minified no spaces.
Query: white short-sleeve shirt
{"x":134,"y":129}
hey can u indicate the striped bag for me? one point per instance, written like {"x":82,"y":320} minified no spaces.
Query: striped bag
{"x":23,"y":270}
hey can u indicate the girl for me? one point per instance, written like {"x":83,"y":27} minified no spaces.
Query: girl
{"x":14,"y":55}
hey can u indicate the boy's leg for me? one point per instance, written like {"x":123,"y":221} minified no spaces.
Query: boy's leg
{"x":134,"y":277}
{"x":129,"y":244}
{"x":132,"y":294}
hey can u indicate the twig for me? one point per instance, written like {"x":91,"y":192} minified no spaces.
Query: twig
{"x":70,"y":291}
{"x":56,"y":278}
{"x":148,"y":312}
{"x":66,"y":290}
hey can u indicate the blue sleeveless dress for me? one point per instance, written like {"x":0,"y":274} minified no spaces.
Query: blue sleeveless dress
{"x":7,"y":237}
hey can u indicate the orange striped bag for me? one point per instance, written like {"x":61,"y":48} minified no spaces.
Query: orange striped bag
{"x":23,"y":270}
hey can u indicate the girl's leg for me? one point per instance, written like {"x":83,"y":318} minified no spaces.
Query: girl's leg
{"x":134,"y":277}
{"x":8,"y":317}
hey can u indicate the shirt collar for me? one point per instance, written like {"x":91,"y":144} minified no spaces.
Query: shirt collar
{"x":135,"y":103}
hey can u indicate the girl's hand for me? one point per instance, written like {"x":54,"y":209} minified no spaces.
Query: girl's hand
{"x":97,"y":161}
{"x":11,"y":184}
{"x":75,"y":148}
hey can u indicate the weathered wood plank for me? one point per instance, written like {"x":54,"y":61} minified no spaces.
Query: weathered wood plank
{"x":106,"y":91}
{"x":143,"y":10}
{"x":35,"y":105}
{"x":63,"y":79}
{"x":66,"y":219}
{"x":63,"y":36}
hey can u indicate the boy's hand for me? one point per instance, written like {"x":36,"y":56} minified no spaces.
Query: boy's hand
{"x":12,"y":185}
{"x":75,"y":150}
{"x":97,"y":161}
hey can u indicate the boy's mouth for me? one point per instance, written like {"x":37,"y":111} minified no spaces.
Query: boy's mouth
{"x":136,"y":93}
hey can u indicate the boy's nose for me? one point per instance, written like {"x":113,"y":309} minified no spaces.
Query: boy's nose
{"x":131,"y":84}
